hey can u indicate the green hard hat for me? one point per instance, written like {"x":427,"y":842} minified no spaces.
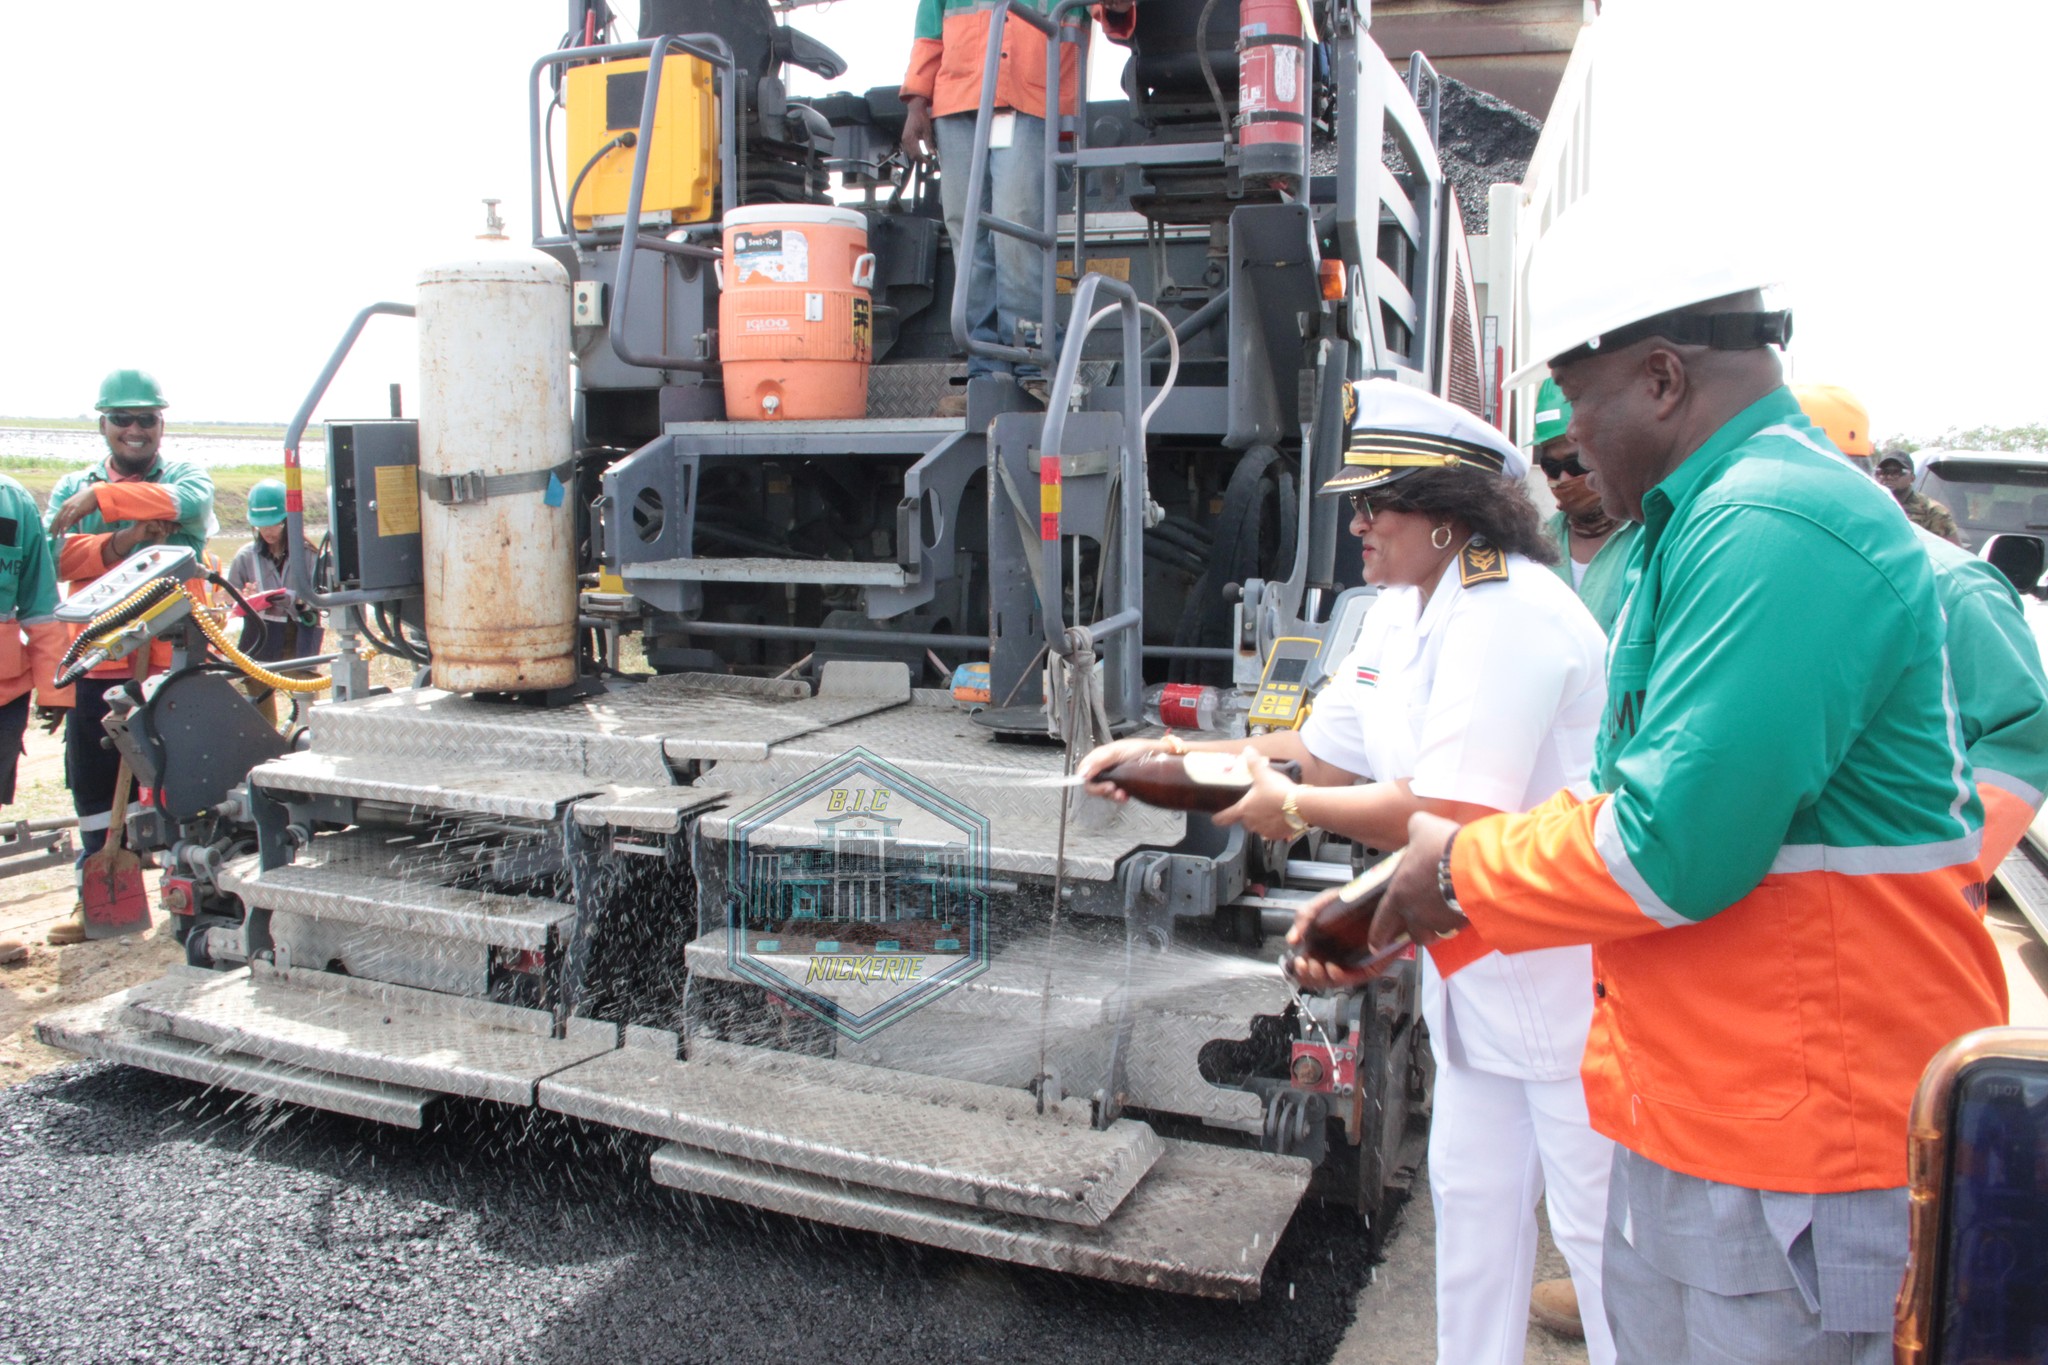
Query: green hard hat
{"x":130,"y":389}
{"x":1553,"y":414}
{"x":266,"y":503}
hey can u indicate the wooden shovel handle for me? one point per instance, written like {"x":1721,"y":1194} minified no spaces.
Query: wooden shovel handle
{"x":117,"y":830}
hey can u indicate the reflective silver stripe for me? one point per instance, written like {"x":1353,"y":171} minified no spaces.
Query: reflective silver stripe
{"x":2008,"y":783}
{"x":1607,"y":843}
{"x":104,"y":820}
{"x":1815,"y":446}
{"x":1877,"y":859}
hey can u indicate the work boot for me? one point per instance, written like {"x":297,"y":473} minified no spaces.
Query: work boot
{"x":69,"y":931}
{"x":13,"y":950}
{"x":1554,"y":1306}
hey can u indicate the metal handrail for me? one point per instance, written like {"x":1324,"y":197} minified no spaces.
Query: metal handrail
{"x":1128,"y":613}
{"x":298,"y":571}
{"x":708,"y":47}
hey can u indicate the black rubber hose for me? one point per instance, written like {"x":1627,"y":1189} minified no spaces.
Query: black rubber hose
{"x":262,"y":626}
{"x":625,"y":139}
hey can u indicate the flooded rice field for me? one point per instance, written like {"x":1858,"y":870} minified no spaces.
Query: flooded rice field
{"x":86,"y":447}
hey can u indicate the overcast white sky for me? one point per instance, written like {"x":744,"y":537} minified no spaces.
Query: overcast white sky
{"x":209,"y":191}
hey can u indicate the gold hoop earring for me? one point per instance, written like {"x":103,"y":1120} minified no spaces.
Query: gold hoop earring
{"x":1441,"y":537}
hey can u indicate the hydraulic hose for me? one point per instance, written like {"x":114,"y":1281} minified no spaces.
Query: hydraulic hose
{"x":218,"y":638}
{"x":625,"y":139}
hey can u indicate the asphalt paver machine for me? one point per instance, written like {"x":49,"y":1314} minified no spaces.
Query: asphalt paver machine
{"x":685,"y":827}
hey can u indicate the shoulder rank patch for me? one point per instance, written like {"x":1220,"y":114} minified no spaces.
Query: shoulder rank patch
{"x":1479,"y":562}
{"x":1350,"y":404}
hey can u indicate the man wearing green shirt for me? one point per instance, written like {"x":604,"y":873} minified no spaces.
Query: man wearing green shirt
{"x":1778,"y":874}
{"x":1593,"y":547}
{"x":98,"y":517}
{"x":31,"y":641}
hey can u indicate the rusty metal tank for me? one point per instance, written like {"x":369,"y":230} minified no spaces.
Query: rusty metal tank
{"x":497,"y":529}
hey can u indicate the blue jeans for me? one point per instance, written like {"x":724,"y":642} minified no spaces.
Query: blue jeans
{"x":1005,"y":274}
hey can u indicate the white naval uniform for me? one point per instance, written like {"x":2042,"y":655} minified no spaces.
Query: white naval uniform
{"x":1492,"y":697}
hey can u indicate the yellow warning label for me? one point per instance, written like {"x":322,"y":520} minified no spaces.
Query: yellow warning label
{"x":1115,"y":267}
{"x":398,"y":499}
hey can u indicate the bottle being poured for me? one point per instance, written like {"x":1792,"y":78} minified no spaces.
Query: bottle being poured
{"x":1199,"y":780}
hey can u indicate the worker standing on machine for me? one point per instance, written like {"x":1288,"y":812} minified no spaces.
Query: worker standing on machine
{"x":1777,"y":877}
{"x":31,"y":640}
{"x":1475,"y":687}
{"x":281,"y":627}
{"x":1993,"y":658}
{"x":941,"y":97}
{"x":1593,"y":548}
{"x":97,"y":518}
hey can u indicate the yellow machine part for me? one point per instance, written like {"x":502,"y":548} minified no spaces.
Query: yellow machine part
{"x":604,"y":100}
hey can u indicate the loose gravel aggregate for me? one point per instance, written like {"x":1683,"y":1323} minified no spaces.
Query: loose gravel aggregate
{"x":146,"y":1219}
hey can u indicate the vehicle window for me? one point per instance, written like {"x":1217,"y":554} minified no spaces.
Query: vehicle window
{"x":1990,"y":498}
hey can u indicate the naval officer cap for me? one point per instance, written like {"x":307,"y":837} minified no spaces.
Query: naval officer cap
{"x":1398,"y":430}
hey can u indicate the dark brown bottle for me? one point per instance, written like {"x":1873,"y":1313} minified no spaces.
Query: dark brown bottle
{"x":1198,"y":781}
{"x":1337,"y":934}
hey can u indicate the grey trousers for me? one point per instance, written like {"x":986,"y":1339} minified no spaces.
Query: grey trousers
{"x":1701,"y":1273}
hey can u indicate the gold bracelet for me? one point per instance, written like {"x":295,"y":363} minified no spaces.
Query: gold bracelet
{"x":1174,"y":743}
{"x":1296,"y":825}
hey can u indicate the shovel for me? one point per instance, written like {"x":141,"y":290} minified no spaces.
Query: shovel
{"x":115,"y":900}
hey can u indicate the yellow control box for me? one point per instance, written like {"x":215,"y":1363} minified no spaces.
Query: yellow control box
{"x":604,"y":100}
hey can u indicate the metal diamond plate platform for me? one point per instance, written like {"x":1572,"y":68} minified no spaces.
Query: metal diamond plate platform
{"x":96,"y":1030}
{"x":951,"y":1141}
{"x":2024,"y":875}
{"x":655,"y":810}
{"x":987,"y":1028}
{"x":359,"y":877}
{"x":370,"y":1032}
{"x":942,"y":745}
{"x":911,"y":389}
{"x":474,"y":787}
{"x":1203,"y":1221}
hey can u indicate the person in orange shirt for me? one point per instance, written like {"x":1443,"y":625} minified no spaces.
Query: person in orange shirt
{"x":98,"y":517}
{"x":942,"y":95}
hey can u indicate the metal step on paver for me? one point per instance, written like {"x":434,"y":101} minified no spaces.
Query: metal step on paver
{"x":704,"y":569}
{"x":468,"y":787}
{"x":359,"y":876}
{"x":346,"y":1026}
{"x":97,"y":1030}
{"x":1203,"y":1221}
{"x":953,"y":1142}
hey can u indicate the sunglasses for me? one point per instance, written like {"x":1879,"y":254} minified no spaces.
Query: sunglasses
{"x":1362,"y":504}
{"x":1568,"y":467}
{"x":124,"y":420}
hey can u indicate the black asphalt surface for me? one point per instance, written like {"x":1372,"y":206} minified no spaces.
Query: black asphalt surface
{"x":146,"y":1219}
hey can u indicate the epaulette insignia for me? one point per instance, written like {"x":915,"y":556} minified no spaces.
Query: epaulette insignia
{"x":1479,"y":562}
{"x":1350,"y":404}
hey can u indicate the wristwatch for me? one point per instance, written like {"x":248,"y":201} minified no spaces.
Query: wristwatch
{"x":1296,"y":825}
{"x":1448,"y":892}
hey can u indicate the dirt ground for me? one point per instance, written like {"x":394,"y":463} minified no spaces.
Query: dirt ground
{"x":30,"y":904}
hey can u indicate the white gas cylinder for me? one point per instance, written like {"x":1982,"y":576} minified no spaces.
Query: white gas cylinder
{"x":495,"y":400}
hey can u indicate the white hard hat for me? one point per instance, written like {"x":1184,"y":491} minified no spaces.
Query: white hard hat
{"x":1614,"y":261}
{"x":1398,"y":430}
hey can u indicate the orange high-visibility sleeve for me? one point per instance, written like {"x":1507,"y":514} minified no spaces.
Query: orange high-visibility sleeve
{"x":1536,"y":880}
{"x":1454,"y":954}
{"x":136,"y":501}
{"x":923,"y":76}
{"x":47,"y":641}
{"x":81,"y":557}
{"x":2006,"y":818}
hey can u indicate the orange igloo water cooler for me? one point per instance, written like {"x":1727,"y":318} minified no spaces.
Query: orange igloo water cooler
{"x":794,"y":320}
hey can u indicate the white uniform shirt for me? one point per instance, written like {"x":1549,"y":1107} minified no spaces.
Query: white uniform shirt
{"x":1493,"y":696}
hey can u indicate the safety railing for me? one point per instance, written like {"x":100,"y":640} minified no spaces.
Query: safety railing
{"x":1066,"y":148}
{"x":708,"y":47}
{"x":298,"y":570}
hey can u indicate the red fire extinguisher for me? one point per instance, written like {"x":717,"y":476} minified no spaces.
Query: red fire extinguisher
{"x":1273,"y":80}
